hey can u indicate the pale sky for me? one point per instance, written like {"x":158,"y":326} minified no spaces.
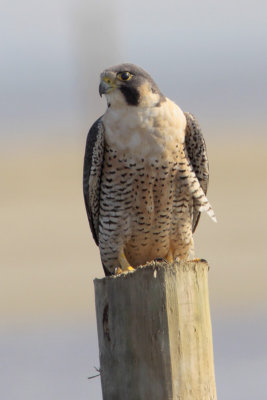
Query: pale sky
{"x":210,"y":57}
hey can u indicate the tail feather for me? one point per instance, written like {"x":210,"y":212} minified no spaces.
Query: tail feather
{"x":209,"y":210}
{"x":197,"y":192}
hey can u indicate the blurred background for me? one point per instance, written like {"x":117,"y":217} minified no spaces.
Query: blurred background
{"x":209,"y":57}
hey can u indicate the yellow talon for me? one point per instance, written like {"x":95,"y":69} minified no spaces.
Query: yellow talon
{"x":169,"y":257}
{"x":129,"y":269}
{"x":119,"y":271}
{"x":124,"y":264}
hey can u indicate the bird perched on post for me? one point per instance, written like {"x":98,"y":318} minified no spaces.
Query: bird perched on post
{"x":145,"y":173}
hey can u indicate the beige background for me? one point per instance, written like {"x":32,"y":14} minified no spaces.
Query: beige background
{"x":49,"y":259}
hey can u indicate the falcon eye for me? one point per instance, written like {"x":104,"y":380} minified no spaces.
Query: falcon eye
{"x":125,"y":76}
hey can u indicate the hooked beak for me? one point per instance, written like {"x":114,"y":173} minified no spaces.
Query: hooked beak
{"x":106,"y":85}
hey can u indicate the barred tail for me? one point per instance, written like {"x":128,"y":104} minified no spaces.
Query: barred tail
{"x":205,"y":206}
{"x":190,"y":180}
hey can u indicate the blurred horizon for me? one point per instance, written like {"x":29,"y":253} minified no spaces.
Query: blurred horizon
{"x":208,"y":58}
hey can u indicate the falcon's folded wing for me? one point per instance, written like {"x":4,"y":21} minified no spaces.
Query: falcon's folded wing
{"x":197,"y":153}
{"x":92,"y":170}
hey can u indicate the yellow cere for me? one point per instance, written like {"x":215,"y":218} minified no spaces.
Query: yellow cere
{"x":107,"y":80}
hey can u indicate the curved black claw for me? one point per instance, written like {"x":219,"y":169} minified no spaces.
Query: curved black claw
{"x":160,"y":259}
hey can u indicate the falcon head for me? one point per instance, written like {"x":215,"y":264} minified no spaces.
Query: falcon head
{"x":128,"y":84}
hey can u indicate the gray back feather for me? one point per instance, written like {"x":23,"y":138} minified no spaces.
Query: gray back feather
{"x":92,"y":171}
{"x":197,"y":153}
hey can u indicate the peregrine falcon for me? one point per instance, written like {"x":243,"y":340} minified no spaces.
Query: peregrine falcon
{"x":145,"y":174}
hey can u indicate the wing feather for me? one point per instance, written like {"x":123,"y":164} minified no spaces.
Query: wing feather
{"x":92,"y":171}
{"x":197,"y":153}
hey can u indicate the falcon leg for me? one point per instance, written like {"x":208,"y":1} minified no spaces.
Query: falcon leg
{"x":192,"y":249}
{"x":182,"y":252}
{"x":169,"y":256}
{"x":183,"y":248}
{"x":192,"y":253}
{"x":124,"y":264}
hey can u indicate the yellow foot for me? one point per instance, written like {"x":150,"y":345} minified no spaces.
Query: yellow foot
{"x":169,"y":256}
{"x":125,"y":266}
{"x":119,"y":271}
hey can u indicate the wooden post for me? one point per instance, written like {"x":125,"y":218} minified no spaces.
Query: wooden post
{"x":154,"y":333}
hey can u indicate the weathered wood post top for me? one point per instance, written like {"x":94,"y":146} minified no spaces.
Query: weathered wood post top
{"x":154,"y":333}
